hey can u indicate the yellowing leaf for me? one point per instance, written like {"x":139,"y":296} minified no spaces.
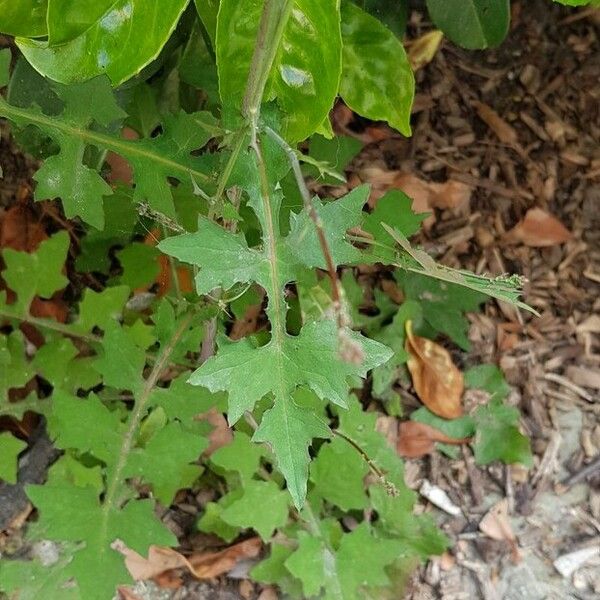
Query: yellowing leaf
{"x":439,"y":384}
{"x":422,"y":50}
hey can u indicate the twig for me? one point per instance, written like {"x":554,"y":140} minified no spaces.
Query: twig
{"x":583,"y":473}
{"x":569,"y":385}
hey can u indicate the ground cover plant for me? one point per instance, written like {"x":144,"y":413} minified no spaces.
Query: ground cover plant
{"x":133,"y":378}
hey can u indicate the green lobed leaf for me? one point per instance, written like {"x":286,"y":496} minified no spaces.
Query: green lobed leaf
{"x":489,"y":378}
{"x":15,"y":370}
{"x":10,"y":448}
{"x":336,"y":217}
{"x":443,"y":304}
{"x":472,"y":23}
{"x":75,"y":514}
{"x":154,"y":160}
{"x":262,"y":507}
{"x":118,"y":41}
{"x":312,"y":358}
{"x":377,"y":81}
{"x":38,"y":273}
{"x":241,"y":455}
{"x":498,"y":437}
{"x":166,"y":460}
{"x":23,"y":17}
{"x":122,"y":361}
{"x":99,"y":309}
{"x":338,"y":475}
{"x":393,"y":209}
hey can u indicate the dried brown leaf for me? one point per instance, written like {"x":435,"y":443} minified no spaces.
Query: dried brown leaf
{"x":496,"y":525}
{"x":503,"y":130}
{"x":539,"y":229}
{"x":437,"y":381}
{"x":418,"y":439}
{"x":204,"y":565}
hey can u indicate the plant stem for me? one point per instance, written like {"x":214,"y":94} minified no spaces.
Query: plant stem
{"x":137,"y":414}
{"x":273,"y":20}
{"x":336,"y":290}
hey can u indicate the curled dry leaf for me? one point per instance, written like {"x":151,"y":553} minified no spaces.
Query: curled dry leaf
{"x":203,"y":565}
{"x":438,"y":383}
{"x":539,"y":229}
{"x":496,"y":525}
{"x":418,"y":439}
{"x":422,"y":50}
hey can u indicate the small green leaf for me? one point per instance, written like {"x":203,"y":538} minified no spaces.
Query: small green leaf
{"x":15,"y":370}
{"x":307,"y":564}
{"x":184,"y":401}
{"x":75,"y":514}
{"x":263,"y":507}
{"x":489,"y":378}
{"x":36,"y":274}
{"x":377,"y":81}
{"x":122,"y":361}
{"x":23,"y":17}
{"x":140,"y":265}
{"x":394,"y":208}
{"x":336,"y":217}
{"x":120,"y":41}
{"x":443,"y":304}
{"x":211,"y":520}
{"x":10,"y":448}
{"x":371,"y":553}
{"x":337,"y":152}
{"x":99,"y":309}
{"x":165,"y":461}
{"x":498,"y":436}
{"x":241,"y":455}
{"x":338,"y":474}
{"x":472,"y":23}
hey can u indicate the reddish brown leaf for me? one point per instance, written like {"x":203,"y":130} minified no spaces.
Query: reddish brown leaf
{"x":539,"y":229}
{"x":438,"y":383}
{"x":20,"y":229}
{"x":418,"y":439}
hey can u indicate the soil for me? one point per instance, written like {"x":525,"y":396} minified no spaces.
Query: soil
{"x":544,"y":82}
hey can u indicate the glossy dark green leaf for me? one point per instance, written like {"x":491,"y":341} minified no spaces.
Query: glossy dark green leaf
{"x":23,"y":17}
{"x":394,"y":13}
{"x":306,"y":71}
{"x":377,"y":81}
{"x":120,"y":42}
{"x":68,"y":19}
{"x":472,"y":23}
{"x":207,"y":11}
{"x":306,"y":76}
